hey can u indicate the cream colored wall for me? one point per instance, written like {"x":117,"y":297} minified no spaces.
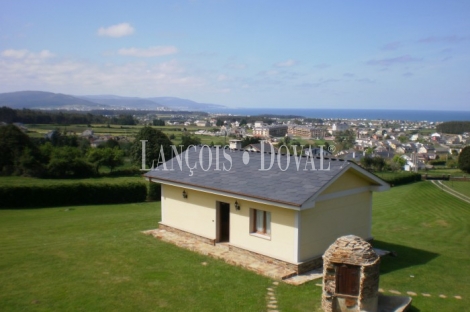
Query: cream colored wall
{"x":197,"y":214}
{"x":348,"y":180}
{"x":283,"y":240}
{"x":330,"y":219}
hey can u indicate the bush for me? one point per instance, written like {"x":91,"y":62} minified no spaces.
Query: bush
{"x":124,"y":172}
{"x":154,"y":191}
{"x":403,"y":178}
{"x":71,"y":194}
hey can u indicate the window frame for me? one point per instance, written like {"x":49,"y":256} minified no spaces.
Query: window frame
{"x":266,"y":227}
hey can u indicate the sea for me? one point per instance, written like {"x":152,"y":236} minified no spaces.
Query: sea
{"x":367,"y":114}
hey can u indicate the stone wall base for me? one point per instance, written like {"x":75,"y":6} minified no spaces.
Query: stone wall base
{"x":203,"y":239}
{"x":299,"y":268}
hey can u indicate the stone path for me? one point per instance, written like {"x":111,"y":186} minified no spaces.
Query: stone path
{"x":414,"y":294}
{"x":222,"y":252}
{"x":271,"y":298}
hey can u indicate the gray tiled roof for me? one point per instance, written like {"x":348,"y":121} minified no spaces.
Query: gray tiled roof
{"x":292,"y":186}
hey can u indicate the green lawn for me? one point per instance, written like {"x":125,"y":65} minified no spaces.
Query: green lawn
{"x":429,"y":230}
{"x":94,"y":258}
{"x":440,"y":172}
{"x":462,"y":187}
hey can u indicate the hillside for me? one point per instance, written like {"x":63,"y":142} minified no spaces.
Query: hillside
{"x":45,"y":100}
{"x":122,"y":101}
{"x":49,"y":100}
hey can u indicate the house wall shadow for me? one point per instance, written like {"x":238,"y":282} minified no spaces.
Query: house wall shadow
{"x":402,"y":257}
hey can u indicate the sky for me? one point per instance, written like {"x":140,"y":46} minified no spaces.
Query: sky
{"x":255,"y":53}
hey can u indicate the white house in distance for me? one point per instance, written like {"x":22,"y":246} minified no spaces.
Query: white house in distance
{"x":278,"y":208}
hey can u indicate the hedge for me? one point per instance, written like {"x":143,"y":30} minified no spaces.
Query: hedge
{"x":37,"y":196}
{"x":154,"y":191}
{"x":402,"y":178}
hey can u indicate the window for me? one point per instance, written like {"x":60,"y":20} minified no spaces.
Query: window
{"x":261,"y":222}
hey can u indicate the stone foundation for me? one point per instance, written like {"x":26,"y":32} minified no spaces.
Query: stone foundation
{"x":203,"y":239}
{"x":297,"y":268}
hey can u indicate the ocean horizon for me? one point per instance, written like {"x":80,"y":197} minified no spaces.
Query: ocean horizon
{"x":369,"y":114}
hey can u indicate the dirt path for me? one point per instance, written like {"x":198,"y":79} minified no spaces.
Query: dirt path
{"x":451,"y":191}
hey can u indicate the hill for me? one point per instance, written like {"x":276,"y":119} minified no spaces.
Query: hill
{"x":46,"y":100}
{"x":183,"y":104}
{"x":49,"y":100}
{"x":122,"y":101}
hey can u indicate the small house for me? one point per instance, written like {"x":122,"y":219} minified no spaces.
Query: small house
{"x":285,"y":209}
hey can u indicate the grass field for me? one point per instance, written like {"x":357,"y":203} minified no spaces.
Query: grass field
{"x":440,"y":172}
{"x":429,"y":230}
{"x":94,"y":258}
{"x":462,"y":187}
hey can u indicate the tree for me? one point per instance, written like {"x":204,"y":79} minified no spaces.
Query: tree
{"x":397,"y":163}
{"x":187,"y":140}
{"x":403,"y":139}
{"x":378,"y":163}
{"x":156,"y":141}
{"x":67,"y":161}
{"x":219,"y":123}
{"x":108,"y":157}
{"x":111,"y":143}
{"x":345,"y":138}
{"x":250,"y":140}
{"x":464,"y":160}
{"x":367,"y":162}
{"x":158,"y":122}
{"x":13,"y":145}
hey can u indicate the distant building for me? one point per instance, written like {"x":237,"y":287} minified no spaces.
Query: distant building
{"x":258,"y":124}
{"x":339,"y":127}
{"x":306,"y":131}
{"x":88,"y":133}
{"x":235,"y":144}
{"x":270,"y":131}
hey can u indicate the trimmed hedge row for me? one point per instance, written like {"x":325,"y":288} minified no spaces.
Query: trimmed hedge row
{"x":403,"y":178}
{"x":154,"y":191}
{"x":71,"y":194}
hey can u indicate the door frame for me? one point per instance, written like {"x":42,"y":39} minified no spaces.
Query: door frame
{"x":219,"y":222}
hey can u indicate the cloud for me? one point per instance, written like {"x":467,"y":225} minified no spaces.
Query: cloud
{"x":116,"y":31}
{"x":392,"y":46}
{"x":287,"y":63}
{"x":395,"y":60}
{"x":349,"y":75}
{"x":407,"y":74}
{"x":20,"y":54}
{"x":24,"y":70}
{"x":444,"y":39}
{"x":149,"y":52}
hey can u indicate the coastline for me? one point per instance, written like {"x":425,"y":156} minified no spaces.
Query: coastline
{"x":368,"y":114}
